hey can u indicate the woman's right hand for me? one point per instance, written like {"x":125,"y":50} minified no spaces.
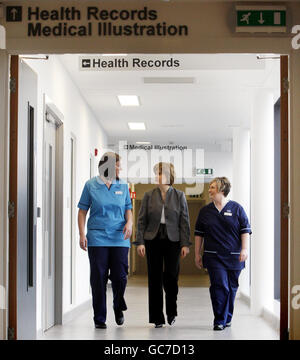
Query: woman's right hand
{"x":141,"y":250}
{"x":83,"y":242}
{"x":198,"y":261}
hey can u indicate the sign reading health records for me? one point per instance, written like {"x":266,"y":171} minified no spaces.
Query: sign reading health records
{"x":128,"y":62}
{"x":90,"y":20}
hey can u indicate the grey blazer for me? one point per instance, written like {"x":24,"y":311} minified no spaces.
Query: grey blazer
{"x":176,"y":215}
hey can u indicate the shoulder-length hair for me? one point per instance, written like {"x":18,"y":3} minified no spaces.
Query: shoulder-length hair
{"x":167,"y":169}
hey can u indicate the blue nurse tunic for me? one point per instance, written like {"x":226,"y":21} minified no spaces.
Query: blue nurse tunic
{"x":222,"y":232}
{"x":107,"y":248}
{"x":107,"y":212}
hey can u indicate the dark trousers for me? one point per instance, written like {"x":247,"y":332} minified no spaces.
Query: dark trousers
{"x":163,"y":257}
{"x":223,"y":288}
{"x":108,"y":263}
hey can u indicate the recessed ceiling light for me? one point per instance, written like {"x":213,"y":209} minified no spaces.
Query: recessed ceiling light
{"x":137,"y":126}
{"x":129,"y":100}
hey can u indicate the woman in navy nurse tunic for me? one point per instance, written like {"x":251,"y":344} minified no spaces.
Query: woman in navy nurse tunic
{"x":108,"y":236}
{"x":224,"y":229}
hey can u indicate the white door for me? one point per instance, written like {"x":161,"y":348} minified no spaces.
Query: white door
{"x":49,"y":222}
{"x":26,"y":211}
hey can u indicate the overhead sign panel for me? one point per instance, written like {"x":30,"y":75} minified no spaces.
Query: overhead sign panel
{"x":261,"y":19}
{"x":138,"y":62}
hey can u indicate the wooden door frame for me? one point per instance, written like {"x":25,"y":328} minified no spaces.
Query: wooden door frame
{"x":284,"y":198}
{"x":13,"y":197}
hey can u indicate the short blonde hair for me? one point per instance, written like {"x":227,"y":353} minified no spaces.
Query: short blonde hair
{"x":167,"y":169}
{"x":223,"y":185}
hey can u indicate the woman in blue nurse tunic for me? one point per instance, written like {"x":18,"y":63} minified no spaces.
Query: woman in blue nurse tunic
{"x":223,"y":227}
{"x":107,"y":240}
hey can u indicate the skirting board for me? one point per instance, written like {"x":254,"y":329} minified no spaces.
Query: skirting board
{"x":266,"y":314}
{"x":271,"y":318}
{"x":78,"y":310}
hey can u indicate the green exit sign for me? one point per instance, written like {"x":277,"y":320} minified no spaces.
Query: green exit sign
{"x":260,"y":18}
{"x":204,"y":171}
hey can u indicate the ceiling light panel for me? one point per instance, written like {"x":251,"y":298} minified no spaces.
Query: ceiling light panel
{"x":129,"y":100}
{"x":137,"y":126}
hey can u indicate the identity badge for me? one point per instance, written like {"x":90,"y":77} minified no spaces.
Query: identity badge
{"x":227,"y":213}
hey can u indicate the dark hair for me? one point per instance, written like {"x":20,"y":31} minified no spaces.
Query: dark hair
{"x":167,"y":169}
{"x":107,"y":165}
{"x":223,"y":185}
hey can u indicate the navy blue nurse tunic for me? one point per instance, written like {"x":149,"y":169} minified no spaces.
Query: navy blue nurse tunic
{"x":222,"y":232}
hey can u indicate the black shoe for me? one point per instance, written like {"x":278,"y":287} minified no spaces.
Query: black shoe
{"x":100,"y":325}
{"x":228,"y":324}
{"x":119,"y":317}
{"x":158,"y":325}
{"x":171,"y":320}
{"x":219,"y":327}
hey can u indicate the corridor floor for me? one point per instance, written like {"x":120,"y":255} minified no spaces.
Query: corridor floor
{"x":194,"y":321}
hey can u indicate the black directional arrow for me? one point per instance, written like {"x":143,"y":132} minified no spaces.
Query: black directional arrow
{"x":86,"y":63}
{"x":13,"y":13}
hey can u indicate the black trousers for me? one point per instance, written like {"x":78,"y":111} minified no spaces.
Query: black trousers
{"x":163,"y":259}
{"x":108,"y":263}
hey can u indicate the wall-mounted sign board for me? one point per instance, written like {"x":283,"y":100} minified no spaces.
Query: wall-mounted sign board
{"x":261,"y":18}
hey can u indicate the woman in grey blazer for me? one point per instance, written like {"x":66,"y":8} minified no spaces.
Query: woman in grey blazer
{"x":163,"y":234}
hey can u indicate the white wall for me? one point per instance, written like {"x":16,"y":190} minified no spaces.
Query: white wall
{"x":241,"y":188}
{"x":262,"y":202}
{"x":54,"y":81}
{"x":141,"y":162}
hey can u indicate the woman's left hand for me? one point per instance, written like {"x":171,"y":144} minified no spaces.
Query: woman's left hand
{"x":127,"y":230}
{"x":243,"y":255}
{"x":184,"y":251}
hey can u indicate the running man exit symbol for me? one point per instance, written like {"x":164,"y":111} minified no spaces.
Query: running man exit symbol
{"x":245,"y":17}
{"x":13,"y":13}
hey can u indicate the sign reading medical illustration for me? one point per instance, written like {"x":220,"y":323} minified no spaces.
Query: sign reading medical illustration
{"x":260,"y":18}
{"x":170,"y":147}
{"x":72,"y":21}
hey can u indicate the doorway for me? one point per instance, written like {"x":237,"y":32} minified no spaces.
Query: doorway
{"x":52,"y":215}
{"x":52,"y":250}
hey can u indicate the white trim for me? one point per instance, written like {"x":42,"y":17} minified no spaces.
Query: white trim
{"x":56,"y":114}
{"x":2,"y":38}
{"x":77,"y":311}
{"x":69,"y":316}
{"x":271,"y":318}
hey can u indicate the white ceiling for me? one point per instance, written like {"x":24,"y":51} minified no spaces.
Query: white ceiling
{"x":204,"y":111}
